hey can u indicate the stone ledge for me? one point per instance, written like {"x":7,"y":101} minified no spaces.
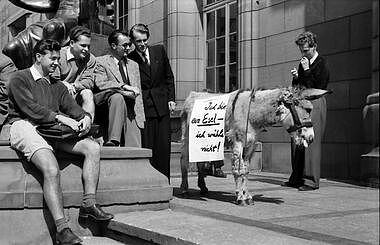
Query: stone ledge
{"x":126,"y":177}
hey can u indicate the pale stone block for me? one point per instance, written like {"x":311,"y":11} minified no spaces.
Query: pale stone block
{"x":258,"y":52}
{"x":184,"y":88}
{"x":156,"y":32}
{"x":245,"y":5}
{"x":350,"y":65}
{"x":340,"y":8}
{"x":360,"y":30}
{"x":188,"y":6}
{"x":245,"y":54}
{"x":257,"y":5}
{"x":299,"y":13}
{"x":188,"y":24}
{"x":186,"y":47}
{"x":187,"y":70}
{"x":172,"y":24}
{"x":359,"y":89}
{"x":276,"y":75}
{"x":272,"y":20}
{"x":281,"y":48}
{"x":246,"y":80}
{"x":172,"y":6}
{"x":172,"y":47}
{"x":332,"y":36}
{"x":245,"y":26}
{"x":340,"y":97}
{"x":156,"y":10}
{"x":255,"y":30}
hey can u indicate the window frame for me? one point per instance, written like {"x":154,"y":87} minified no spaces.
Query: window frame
{"x":214,"y":7}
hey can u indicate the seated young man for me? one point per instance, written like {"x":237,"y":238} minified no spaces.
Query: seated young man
{"x":36,"y":98}
{"x":76,"y":68}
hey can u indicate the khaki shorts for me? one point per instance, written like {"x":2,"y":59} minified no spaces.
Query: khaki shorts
{"x":24,"y":138}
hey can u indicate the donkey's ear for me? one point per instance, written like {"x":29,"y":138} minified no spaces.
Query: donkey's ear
{"x":313,"y":93}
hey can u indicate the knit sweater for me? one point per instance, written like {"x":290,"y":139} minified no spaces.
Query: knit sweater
{"x":39,"y":101}
{"x":317,"y":76}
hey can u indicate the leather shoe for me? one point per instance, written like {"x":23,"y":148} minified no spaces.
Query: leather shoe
{"x":95,"y":212}
{"x":219,"y":173}
{"x":288,"y":184}
{"x":67,"y":237}
{"x":307,"y":188}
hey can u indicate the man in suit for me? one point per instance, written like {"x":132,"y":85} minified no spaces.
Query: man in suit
{"x":157,"y":83}
{"x":118,"y":80}
{"x":6,"y":69}
{"x":76,"y":68}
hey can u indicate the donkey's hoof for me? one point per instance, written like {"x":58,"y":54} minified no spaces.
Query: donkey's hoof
{"x":249,"y":201}
{"x":240,"y":203}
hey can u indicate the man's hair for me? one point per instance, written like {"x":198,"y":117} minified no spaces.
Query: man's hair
{"x":307,"y":37}
{"x":114,"y":35}
{"x":78,"y":31}
{"x":142,"y":28}
{"x":46,"y":45}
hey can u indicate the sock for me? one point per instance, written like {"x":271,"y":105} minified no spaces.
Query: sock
{"x":88,"y":200}
{"x":61,"y":224}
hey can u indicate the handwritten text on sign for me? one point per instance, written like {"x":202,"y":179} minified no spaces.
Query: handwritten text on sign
{"x":206,"y":129}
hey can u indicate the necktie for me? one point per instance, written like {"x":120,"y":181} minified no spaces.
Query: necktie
{"x":145,"y":58}
{"x":121,"y":69}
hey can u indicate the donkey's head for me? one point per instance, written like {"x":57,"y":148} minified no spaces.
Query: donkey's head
{"x":295,"y":112}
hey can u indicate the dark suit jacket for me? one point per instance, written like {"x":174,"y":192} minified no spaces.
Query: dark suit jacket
{"x":157,"y":81}
{"x":108,"y":81}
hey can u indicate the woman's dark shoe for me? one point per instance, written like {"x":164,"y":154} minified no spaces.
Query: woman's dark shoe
{"x":204,"y":192}
{"x":248,"y":201}
{"x":307,"y":188}
{"x":67,"y":237}
{"x":95,"y":212}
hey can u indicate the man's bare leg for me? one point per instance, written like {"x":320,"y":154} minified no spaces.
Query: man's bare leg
{"x":46,"y":162}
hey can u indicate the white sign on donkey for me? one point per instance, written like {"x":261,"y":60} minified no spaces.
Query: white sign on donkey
{"x":206,"y":130}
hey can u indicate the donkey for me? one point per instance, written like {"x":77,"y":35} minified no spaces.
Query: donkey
{"x":248,"y":113}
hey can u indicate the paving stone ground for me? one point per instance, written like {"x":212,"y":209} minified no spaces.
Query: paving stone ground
{"x":337,"y":213}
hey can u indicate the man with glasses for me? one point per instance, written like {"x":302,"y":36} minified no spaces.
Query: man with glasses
{"x":157,"y":82}
{"x":118,"y":80}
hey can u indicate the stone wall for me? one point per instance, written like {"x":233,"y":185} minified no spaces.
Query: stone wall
{"x":268,"y":30}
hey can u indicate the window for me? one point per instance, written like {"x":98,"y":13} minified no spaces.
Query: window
{"x":221,"y":46}
{"x":122,"y":14}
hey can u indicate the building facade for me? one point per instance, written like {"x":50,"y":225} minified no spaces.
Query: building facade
{"x":223,"y":45}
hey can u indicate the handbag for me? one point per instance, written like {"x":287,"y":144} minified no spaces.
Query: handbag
{"x":58,"y":131}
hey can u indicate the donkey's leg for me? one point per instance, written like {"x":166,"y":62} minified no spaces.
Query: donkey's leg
{"x":236,"y":164}
{"x":248,"y":152}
